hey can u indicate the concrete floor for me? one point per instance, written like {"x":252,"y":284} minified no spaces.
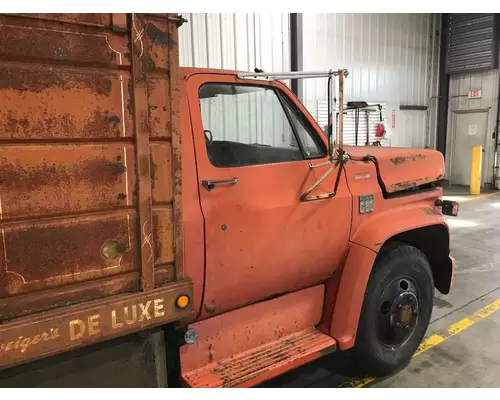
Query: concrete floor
{"x":472,"y":357}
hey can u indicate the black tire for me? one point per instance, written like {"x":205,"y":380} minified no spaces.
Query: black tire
{"x":381,"y":347}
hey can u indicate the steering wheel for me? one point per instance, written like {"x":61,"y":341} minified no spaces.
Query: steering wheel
{"x":208,"y":136}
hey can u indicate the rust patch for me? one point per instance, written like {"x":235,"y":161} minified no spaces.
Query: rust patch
{"x":161,"y":172}
{"x":102,"y":124}
{"x":409,"y":184}
{"x":404,"y":185}
{"x":210,"y":354}
{"x":431,"y":211}
{"x":153,"y":168}
{"x":35,"y":79}
{"x":210,"y":310}
{"x":36,"y":180}
{"x":157,"y":36}
{"x":54,"y":45}
{"x":163,"y":236}
{"x":60,"y":125}
{"x":164,"y":274}
{"x":130,"y":100}
{"x":102,"y":319}
{"x":51,"y":254}
{"x":401,"y":160}
{"x":90,"y":18}
{"x":150,"y":64}
{"x":31,"y":177}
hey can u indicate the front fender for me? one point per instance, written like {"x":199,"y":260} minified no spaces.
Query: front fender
{"x":365,"y":245}
{"x":350,"y":294}
{"x":376,"y":230}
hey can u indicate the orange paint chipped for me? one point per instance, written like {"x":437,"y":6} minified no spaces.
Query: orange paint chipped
{"x":265,"y":362}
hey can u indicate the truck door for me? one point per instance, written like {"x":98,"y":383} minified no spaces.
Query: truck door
{"x":254,"y":142}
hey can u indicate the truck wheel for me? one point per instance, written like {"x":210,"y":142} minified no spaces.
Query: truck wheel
{"x":396,"y":311}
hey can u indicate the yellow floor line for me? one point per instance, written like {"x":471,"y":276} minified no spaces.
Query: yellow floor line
{"x":435,"y":339}
{"x":479,"y":196}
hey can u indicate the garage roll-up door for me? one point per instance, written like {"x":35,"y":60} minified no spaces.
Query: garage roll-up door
{"x":472,"y":43}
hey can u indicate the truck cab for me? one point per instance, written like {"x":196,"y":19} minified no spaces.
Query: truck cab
{"x":257,"y":151}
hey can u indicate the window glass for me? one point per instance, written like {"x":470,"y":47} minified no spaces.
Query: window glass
{"x":248,"y":125}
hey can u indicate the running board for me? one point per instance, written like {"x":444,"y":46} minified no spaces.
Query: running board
{"x":264,"y":362}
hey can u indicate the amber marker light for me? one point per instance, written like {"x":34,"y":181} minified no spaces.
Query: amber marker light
{"x":182,"y":301}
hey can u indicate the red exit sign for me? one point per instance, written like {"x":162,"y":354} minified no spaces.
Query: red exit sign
{"x":475,"y":94}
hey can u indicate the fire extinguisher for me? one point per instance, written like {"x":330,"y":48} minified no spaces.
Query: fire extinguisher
{"x":380,"y":131}
{"x":380,"y":126}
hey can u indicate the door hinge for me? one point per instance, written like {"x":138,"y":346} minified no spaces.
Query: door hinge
{"x":179,"y":20}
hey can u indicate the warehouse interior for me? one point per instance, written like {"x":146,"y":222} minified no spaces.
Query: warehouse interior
{"x":436,"y":79}
{"x":172,"y":215}
{"x":435,"y":75}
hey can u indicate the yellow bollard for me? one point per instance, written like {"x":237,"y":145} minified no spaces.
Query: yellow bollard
{"x":475,"y":169}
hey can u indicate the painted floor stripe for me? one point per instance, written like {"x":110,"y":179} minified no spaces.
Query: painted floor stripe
{"x":435,"y":339}
{"x":477,"y":197}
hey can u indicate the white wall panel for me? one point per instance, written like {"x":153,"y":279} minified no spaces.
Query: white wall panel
{"x":392,"y":58}
{"x":389,"y":57}
{"x":459,"y":102}
{"x":236,"y":41}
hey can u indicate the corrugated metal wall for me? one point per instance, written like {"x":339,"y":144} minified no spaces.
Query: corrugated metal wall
{"x":236,"y":41}
{"x":390,"y":58}
{"x":459,"y":101}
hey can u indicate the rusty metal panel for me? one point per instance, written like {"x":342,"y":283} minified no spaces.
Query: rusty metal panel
{"x":78,"y":174}
{"x":46,"y":300}
{"x":45,"y":254}
{"x":95,"y":321}
{"x":175,"y":124}
{"x":37,"y":180}
{"x":242,"y":331}
{"x":164,"y":235}
{"x":263,"y":363}
{"x":32,"y":39}
{"x":161,"y":177}
{"x":142,"y":132}
{"x":44,"y":102}
{"x":82,"y":19}
{"x":160,"y":108}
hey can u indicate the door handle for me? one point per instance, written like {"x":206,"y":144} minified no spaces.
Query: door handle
{"x":210,"y":183}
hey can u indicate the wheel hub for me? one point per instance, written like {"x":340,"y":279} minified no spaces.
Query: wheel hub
{"x":404,"y":311}
{"x":398,"y":313}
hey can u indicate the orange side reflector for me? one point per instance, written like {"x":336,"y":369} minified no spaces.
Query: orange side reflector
{"x":182,"y":301}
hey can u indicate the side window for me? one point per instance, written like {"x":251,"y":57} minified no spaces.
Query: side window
{"x":252,"y":125}
{"x":313,"y":147}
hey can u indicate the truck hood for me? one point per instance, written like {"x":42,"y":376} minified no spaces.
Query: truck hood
{"x":401,"y":168}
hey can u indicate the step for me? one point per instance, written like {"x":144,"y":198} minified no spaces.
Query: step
{"x":264,"y":362}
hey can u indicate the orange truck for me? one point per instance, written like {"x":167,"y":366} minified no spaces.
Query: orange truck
{"x":167,"y":226}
